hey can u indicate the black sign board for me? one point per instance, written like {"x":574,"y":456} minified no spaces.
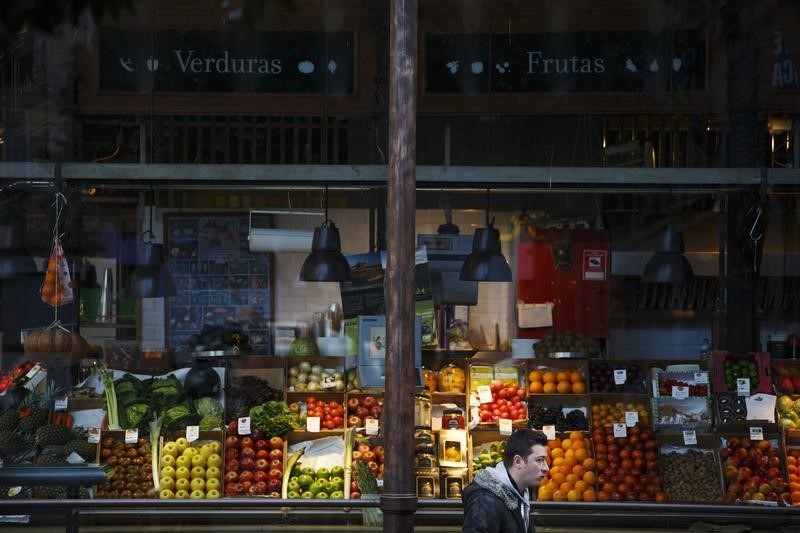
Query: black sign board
{"x":226,"y":62}
{"x":628,"y":61}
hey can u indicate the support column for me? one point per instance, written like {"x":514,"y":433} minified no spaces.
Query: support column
{"x":399,"y":500}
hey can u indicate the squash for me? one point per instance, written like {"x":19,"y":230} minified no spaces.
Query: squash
{"x":32,"y":341}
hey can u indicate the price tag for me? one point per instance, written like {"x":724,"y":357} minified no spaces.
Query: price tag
{"x":689,"y":437}
{"x":620,"y":430}
{"x":131,"y":436}
{"x":379,"y":483}
{"x":329,"y":383}
{"x":680,"y":393}
{"x":620,"y":376}
{"x":192,"y":433}
{"x":743,"y":386}
{"x":94,"y":435}
{"x":701,"y":378}
{"x":505,"y":426}
{"x":372,"y":426}
{"x":312,"y":424}
{"x":654,"y":386}
{"x":756,"y":433}
{"x":436,"y":423}
{"x":243,"y":425}
{"x":631,"y":418}
{"x":550,"y":432}
{"x":484,"y":394}
{"x":61,"y":403}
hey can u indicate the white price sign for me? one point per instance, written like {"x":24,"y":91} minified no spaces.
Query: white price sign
{"x":631,"y":418}
{"x":620,"y":430}
{"x":329,"y":383}
{"x":506,"y":427}
{"x":550,"y":432}
{"x":701,"y":378}
{"x":680,"y":393}
{"x":743,"y":386}
{"x":620,"y":376}
{"x":243,"y":425}
{"x":756,"y":433}
{"x":484,"y":394}
{"x":61,"y":403}
{"x":94,"y":435}
{"x":312,"y":424}
{"x":689,"y":437}
{"x":131,"y":436}
{"x":372,"y":426}
{"x":192,"y":433}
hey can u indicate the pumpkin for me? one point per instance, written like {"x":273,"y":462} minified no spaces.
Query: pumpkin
{"x":46,"y":341}
{"x":32,"y":341}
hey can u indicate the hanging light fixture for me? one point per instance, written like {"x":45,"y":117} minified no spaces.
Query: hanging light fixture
{"x":325,"y":262}
{"x":486,"y":261}
{"x":668,"y":264}
{"x":150,"y":277}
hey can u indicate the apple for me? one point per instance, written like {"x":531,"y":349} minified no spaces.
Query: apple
{"x":232,"y":465}
{"x":197,"y":495}
{"x":231,"y":476}
{"x":183,"y":484}
{"x":274,"y":473}
{"x":369,"y":456}
{"x":362,"y":411}
{"x":272,"y":485}
{"x":213,"y":494}
{"x":276,"y":463}
{"x":246,"y":442}
{"x":276,"y":443}
{"x":294,"y":407}
{"x":363,"y":447}
{"x":166,"y":460}
{"x":356,"y":455}
{"x":262,"y":464}
{"x":181,"y":495}
{"x":262,"y":444}
{"x":198,"y":471}
{"x":213,"y":472}
{"x":198,"y":460}
{"x":262,"y":454}
{"x":368,"y":401}
{"x":170,"y":448}
{"x":376,"y":411}
{"x":353,"y":403}
{"x":166,"y":494}
{"x":247,"y":464}
{"x":276,"y":453}
{"x":198,"y":484}
{"x":260,"y":475}
{"x":232,"y":441}
{"x":246,"y":485}
{"x":166,"y":483}
{"x":355,"y":495}
{"x":231,"y":453}
{"x":232,"y":489}
{"x":246,"y":475}
{"x":212,"y":484}
{"x":247,"y":452}
{"x":256,"y":433}
{"x":215,"y":460}
{"x":354,"y":421}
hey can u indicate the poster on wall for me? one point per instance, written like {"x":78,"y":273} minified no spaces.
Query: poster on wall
{"x":220,"y":281}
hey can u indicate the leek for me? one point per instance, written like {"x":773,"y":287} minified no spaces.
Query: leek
{"x":155,"y":435}
{"x":107,"y":377}
{"x":349,"y":442}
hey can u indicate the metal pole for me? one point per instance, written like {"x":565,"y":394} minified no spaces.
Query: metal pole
{"x":399,"y":500}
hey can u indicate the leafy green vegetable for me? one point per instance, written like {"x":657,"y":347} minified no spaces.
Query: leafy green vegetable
{"x":136,"y":413}
{"x":210,"y":422}
{"x":179,"y":416}
{"x":207,"y":406}
{"x":169,"y":386}
{"x":274,"y":418}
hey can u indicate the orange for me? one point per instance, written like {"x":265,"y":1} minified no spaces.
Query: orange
{"x":566,"y":444}
{"x":581,"y":454}
{"x":549,"y":388}
{"x":578,"y":387}
{"x":536,"y":387}
{"x":576,"y":435}
{"x":589,"y":495}
{"x":563,"y":387}
{"x":551,"y":487}
{"x":590,"y":477}
{"x":566,"y":487}
{"x":581,"y":485}
{"x":557,"y":462}
{"x":579,"y":444}
{"x":578,"y":470}
{"x":535,"y":375}
{"x":574,"y":496}
{"x":562,"y":376}
{"x":575,"y":376}
{"x":572,"y":478}
{"x":796,"y":496}
{"x":559,"y":496}
{"x":558,"y":478}
{"x":545,"y":493}
{"x":602,"y":496}
{"x":556,"y":453}
{"x":549,"y":377}
{"x":589,"y":463}
{"x":553,"y":444}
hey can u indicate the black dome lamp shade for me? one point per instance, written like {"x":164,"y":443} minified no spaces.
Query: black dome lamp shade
{"x":486,"y":261}
{"x":325,"y":262}
{"x":668,"y":264}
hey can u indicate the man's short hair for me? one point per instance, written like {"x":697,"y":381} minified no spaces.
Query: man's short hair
{"x":521,"y":443}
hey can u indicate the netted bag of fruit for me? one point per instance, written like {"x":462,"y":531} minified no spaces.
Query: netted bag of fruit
{"x":451,"y":379}
{"x":56,"y":289}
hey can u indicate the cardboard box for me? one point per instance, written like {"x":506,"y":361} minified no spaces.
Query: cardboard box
{"x":452,"y":482}
{"x":453,"y":449}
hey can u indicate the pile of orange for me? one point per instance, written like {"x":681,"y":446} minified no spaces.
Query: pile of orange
{"x":605,"y":415}
{"x":793,"y":468}
{"x":544,"y":381}
{"x":572,"y":474}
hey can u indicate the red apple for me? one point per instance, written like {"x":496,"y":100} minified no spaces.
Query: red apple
{"x":369,"y":455}
{"x":276,"y":443}
{"x":353,"y":403}
{"x":353,"y":421}
{"x":276,"y":463}
{"x":356,"y":455}
{"x":276,"y":454}
{"x":256,"y":433}
{"x":247,"y":452}
{"x":246,"y":442}
{"x":362,"y":411}
{"x":272,"y":485}
{"x":378,"y":449}
{"x":262,"y":444}
{"x":232,"y":465}
{"x":246,"y":485}
{"x":231,"y":476}
{"x":246,"y":475}
{"x":231,"y":441}
{"x":368,"y":401}
{"x":260,"y":475}
{"x":262,"y":464}
{"x":231,"y":453}
{"x":355,"y":495}
{"x":363,"y":447}
{"x":274,"y":473}
{"x":232,"y":489}
{"x":262,"y":454}
{"x":247,"y":464}
{"x":376,"y":411}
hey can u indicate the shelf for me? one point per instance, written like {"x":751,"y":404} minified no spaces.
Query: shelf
{"x":79,"y":404}
{"x":320,"y":395}
{"x":443,"y":397}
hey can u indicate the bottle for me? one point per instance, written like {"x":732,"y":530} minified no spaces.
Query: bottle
{"x":705,"y":350}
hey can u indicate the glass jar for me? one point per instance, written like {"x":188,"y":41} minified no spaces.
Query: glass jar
{"x":451,"y":378}
{"x":452,"y":419}
{"x":422,"y":410}
{"x":429,"y":377}
{"x":424,"y":447}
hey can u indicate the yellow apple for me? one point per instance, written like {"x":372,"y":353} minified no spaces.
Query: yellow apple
{"x":198,"y":460}
{"x":216,"y":446}
{"x":167,"y":471}
{"x":213,"y":494}
{"x":183,"y":460}
{"x":182,"y":484}
{"x":206,"y":450}
{"x":198,"y":483}
{"x":197,"y":495}
{"x":181,"y":495}
{"x":167,"y":460}
{"x":166,"y":482}
{"x":212,"y":483}
{"x":170,"y":448}
{"x":189,"y":451}
{"x":198,"y":471}
{"x":214,"y":460}
{"x":181,"y":443}
{"x":166,"y":494}
{"x":182,"y":473}
{"x":212,"y":472}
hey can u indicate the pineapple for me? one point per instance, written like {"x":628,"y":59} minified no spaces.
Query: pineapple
{"x":11,"y":442}
{"x":53,"y":434}
{"x":9,"y":420}
{"x":50,"y":492}
{"x":86,"y":450}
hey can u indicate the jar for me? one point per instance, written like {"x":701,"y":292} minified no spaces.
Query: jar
{"x":424,"y":447}
{"x":429,"y":378}
{"x":451,"y":379}
{"x":452,"y":419}
{"x":422,"y":410}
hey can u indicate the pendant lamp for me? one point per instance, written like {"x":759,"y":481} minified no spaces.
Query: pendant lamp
{"x":150,"y":277}
{"x":486,"y":261}
{"x":325,"y":262}
{"x":668,"y":264}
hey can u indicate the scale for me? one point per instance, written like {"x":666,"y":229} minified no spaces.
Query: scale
{"x":372,"y":351}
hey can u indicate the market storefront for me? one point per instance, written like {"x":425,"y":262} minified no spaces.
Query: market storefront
{"x":167,"y":173}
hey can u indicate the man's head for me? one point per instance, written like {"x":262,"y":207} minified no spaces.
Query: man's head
{"x":526,"y":457}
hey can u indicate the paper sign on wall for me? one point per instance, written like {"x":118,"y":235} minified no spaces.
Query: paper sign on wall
{"x":595,"y":263}
{"x":535,"y":315}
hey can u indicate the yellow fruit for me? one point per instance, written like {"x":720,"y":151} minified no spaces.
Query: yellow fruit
{"x":549,"y":388}
{"x":167,"y":460}
{"x":212,"y":483}
{"x":182,"y":484}
{"x":183,"y":461}
{"x":182,"y":473}
{"x":181,"y":495}
{"x":166,"y":482}
{"x":181,"y":444}
{"x":198,"y":460}
{"x":198,"y":472}
{"x":189,"y":451}
{"x":198,"y":483}
{"x":167,"y":471}
{"x":213,"y":472}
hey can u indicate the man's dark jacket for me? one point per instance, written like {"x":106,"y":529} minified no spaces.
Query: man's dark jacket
{"x":493,"y":505}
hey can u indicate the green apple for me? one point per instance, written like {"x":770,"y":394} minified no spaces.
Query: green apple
{"x":293,"y":486}
{"x":167,"y":471}
{"x":198,"y":460}
{"x":166,"y":460}
{"x":181,"y":495}
{"x":183,"y":461}
{"x":321,"y":495}
{"x":336,"y":483}
{"x":307,"y":470}
{"x":337,"y":495}
{"x":305,"y":481}
{"x":337,"y":471}
{"x":170,"y":448}
{"x":197,"y":495}
{"x":307,"y":495}
{"x":189,"y":451}
{"x":323,"y":484}
{"x":213,"y":494}
{"x":323,"y":473}
{"x":317,"y":487}
{"x":166,"y":494}
{"x":293,"y":495}
{"x":214,"y":460}
{"x":182,"y":473}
